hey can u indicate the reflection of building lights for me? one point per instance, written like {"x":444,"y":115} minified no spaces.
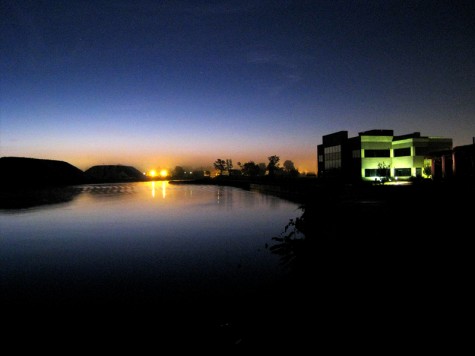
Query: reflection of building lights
{"x":164,"y":189}
{"x":153,"y":189}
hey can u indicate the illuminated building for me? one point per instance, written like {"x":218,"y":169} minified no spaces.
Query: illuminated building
{"x":378,"y":154}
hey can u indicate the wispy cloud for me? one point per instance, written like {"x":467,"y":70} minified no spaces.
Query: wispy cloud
{"x":289,"y":68}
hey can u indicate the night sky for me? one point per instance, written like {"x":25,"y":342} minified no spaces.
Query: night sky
{"x":156,"y":84}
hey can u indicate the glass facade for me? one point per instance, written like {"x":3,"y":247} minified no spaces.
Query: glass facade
{"x":376,"y":153}
{"x":402,"y":152}
{"x":371,"y":172}
{"x":402,"y":172}
{"x":332,"y":157}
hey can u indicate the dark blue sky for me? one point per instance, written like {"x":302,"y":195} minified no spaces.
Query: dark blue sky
{"x":156,"y":84}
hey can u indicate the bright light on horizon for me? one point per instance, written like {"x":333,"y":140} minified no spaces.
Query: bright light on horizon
{"x":152,"y":173}
{"x":163,"y":173}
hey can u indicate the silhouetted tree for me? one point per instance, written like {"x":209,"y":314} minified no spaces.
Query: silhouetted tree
{"x":273,"y":165}
{"x":250,"y":169}
{"x":262,"y":168}
{"x":290,"y":169}
{"x":383,"y":171}
{"x":223,"y":165}
{"x":289,"y":166}
{"x":198,"y":173}
{"x":179,"y":172}
{"x":220,"y":165}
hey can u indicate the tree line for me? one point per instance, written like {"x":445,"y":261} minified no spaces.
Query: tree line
{"x":252,"y":169}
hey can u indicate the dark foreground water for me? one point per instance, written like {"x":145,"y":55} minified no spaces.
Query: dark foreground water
{"x":161,"y":268}
{"x":173,"y":261}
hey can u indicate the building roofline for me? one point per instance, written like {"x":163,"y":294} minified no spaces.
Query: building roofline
{"x":410,"y":135}
{"x":377,"y":132}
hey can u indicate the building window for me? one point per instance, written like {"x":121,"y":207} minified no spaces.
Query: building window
{"x":356,"y":154}
{"x":376,"y":153}
{"x":419,"y":172}
{"x":332,"y":164}
{"x":371,"y":173}
{"x":422,"y":151}
{"x":402,"y":172}
{"x":332,"y":157}
{"x":320,"y":158}
{"x":402,"y":152}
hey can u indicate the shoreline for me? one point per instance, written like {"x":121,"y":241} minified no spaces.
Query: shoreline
{"x":303,"y":191}
{"x":306,"y":191}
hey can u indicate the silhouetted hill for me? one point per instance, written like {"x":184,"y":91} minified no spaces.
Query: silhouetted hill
{"x":114,"y":173}
{"x":33,"y":172}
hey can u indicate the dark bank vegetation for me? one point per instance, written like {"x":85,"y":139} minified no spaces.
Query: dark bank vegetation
{"x":393,"y":227}
{"x":381,"y":264}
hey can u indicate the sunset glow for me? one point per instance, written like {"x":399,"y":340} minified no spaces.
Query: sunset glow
{"x":235,"y":80}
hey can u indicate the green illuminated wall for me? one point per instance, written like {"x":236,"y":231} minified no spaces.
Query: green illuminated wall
{"x":412,"y":162}
{"x":360,"y":157}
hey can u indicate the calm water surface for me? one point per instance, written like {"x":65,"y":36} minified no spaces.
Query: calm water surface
{"x":150,"y":241}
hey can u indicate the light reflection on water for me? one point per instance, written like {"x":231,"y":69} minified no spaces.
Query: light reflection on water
{"x":161,"y":239}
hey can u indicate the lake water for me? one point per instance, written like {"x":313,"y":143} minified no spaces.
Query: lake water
{"x":150,"y":243}
{"x":153,"y":266}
